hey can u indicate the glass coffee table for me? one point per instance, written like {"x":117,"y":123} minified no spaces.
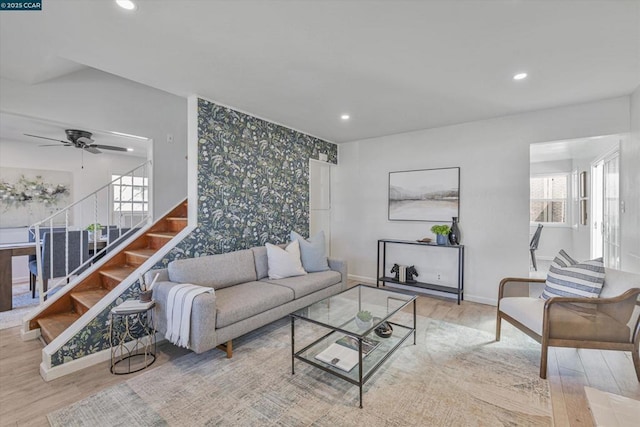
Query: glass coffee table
{"x":351,"y":349}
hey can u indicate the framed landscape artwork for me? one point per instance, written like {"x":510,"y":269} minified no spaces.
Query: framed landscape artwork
{"x":424,"y":195}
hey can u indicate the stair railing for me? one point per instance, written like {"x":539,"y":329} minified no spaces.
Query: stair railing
{"x":120,"y":208}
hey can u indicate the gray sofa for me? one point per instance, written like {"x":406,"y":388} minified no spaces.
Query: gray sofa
{"x":244,"y":297}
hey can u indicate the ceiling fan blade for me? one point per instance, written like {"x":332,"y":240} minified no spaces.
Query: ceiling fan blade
{"x":85,"y":140}
{"x":44,"y":137}
{"x":92,"y":149}
{"x":109,"y":147}
{"x":56,"y":145}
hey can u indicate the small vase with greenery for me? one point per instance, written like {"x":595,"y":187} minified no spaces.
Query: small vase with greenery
{"x":364,"y":319}
{"x":441,"y":232}
{"x":94,"y":230}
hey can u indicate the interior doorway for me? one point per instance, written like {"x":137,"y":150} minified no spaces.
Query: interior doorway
{"x":574,"y":194}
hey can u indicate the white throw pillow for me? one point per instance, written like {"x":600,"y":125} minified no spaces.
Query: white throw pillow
{"x":284,"y":262}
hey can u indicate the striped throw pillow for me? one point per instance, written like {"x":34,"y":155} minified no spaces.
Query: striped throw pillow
{"x":569,"y":278}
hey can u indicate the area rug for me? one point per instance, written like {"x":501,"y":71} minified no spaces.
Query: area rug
{"x":454,"y":376}
{"x":22,"y":304}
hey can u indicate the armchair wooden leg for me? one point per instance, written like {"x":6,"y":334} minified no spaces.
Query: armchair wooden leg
{"x":543,"y":359}
{"x":228,"y":348}
{"x":636,"y":360}
{"x":498,"y":324}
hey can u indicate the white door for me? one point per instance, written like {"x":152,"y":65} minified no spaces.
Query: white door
{"x":611,"y":211}
{"x":320,"y":200}
{"x":605,"y":210}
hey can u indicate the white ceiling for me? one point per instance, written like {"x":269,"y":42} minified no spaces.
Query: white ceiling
{"x":14,"y":127}
{"x":394,"y":66}
{"x":573,"y":149}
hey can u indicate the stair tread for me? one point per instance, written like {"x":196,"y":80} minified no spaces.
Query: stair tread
{"x":176,"y":218}
{"x":54,"y":324}
{"x":162,"y":234}
{"x":120,"y":272}
{"x":89,"y":297}
{"x":143,"y":252}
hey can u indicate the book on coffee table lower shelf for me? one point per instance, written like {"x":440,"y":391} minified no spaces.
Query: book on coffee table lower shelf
{"x":343,"y":354}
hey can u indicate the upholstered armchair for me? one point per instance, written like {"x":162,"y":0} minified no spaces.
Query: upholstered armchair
{"x":610,"y":322}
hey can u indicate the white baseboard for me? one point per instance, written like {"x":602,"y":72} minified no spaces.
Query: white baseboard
{"x":22,"y":279}
{"x":28,"y":335}
{"x":51,"y":373}
{"x":364,"y":279}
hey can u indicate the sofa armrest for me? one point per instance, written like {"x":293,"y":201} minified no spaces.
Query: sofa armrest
{"x":339,"y":265}
{"x":620,"y":307}
{"x":516,"y":287}
{"x":203,"y":316}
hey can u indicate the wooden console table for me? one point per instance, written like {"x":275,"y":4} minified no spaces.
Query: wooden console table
{"x":8,"y":251}
{"x":381,"y":278}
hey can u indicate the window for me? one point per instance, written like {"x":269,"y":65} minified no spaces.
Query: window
{"x":549,"y":198}
{"x":130,"y":193}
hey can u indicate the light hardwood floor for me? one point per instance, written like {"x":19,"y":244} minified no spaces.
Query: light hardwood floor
{"x":25,"y":398}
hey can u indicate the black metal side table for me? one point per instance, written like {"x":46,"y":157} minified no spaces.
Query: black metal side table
{"x":132,"y":338}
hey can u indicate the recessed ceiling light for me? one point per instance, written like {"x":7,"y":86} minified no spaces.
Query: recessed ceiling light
{"x":129,"y":149}
{"x":126,"y":4}
{"x":520,"y":76}
{"x":345,"y":117}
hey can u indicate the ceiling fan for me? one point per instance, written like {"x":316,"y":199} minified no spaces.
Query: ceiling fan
{"x":80,"y":139}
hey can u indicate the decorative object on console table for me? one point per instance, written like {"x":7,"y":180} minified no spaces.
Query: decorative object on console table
{"x":441,"y":232}
{"x":428,"y":248}
{"x":410,"y":272}
{"x":454,"y":233}
{"x":396,"y":270}
{"x":424,"y":195}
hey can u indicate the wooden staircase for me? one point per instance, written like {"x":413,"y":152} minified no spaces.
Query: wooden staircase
{"x":84,"y":295}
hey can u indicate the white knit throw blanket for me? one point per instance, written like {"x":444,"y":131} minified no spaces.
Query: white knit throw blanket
{"x":179,"y":302}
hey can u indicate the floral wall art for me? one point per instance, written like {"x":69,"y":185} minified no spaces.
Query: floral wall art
{"x":253,"y":187}
{"x":31,"y":195}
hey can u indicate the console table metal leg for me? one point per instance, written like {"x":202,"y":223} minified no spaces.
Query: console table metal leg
{"x":415,"y":326}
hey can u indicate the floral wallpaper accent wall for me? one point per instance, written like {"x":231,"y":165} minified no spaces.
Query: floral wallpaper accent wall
{"x":253,"y":182}
{"x":253,"y":187}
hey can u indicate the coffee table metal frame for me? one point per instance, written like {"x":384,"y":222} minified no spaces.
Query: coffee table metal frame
{"x":401,"y":332}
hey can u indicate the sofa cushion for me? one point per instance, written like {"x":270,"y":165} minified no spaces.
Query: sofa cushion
{"x":312,"y":252}
{"x":284,"y":262}
{"x":239,"y":302}
{"x":528,"y":311}
{"x":568,"y":278}
{"x":312,"y":282}
{"x":617,"y":282}
{"x":215,"y":271}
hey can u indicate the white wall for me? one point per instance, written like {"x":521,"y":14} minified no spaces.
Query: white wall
{"x":630,"y":190}
{"x":101,"y":101}
{"x":96,"y":173}
{"x":494,"y":159}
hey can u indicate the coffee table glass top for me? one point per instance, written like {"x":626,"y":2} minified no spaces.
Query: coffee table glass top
{"x":339,"y":312}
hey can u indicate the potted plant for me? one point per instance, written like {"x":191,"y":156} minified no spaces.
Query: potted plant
{"x":92,"y":229}
{"x":364,"y":319}
{"x":441,"y":232}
